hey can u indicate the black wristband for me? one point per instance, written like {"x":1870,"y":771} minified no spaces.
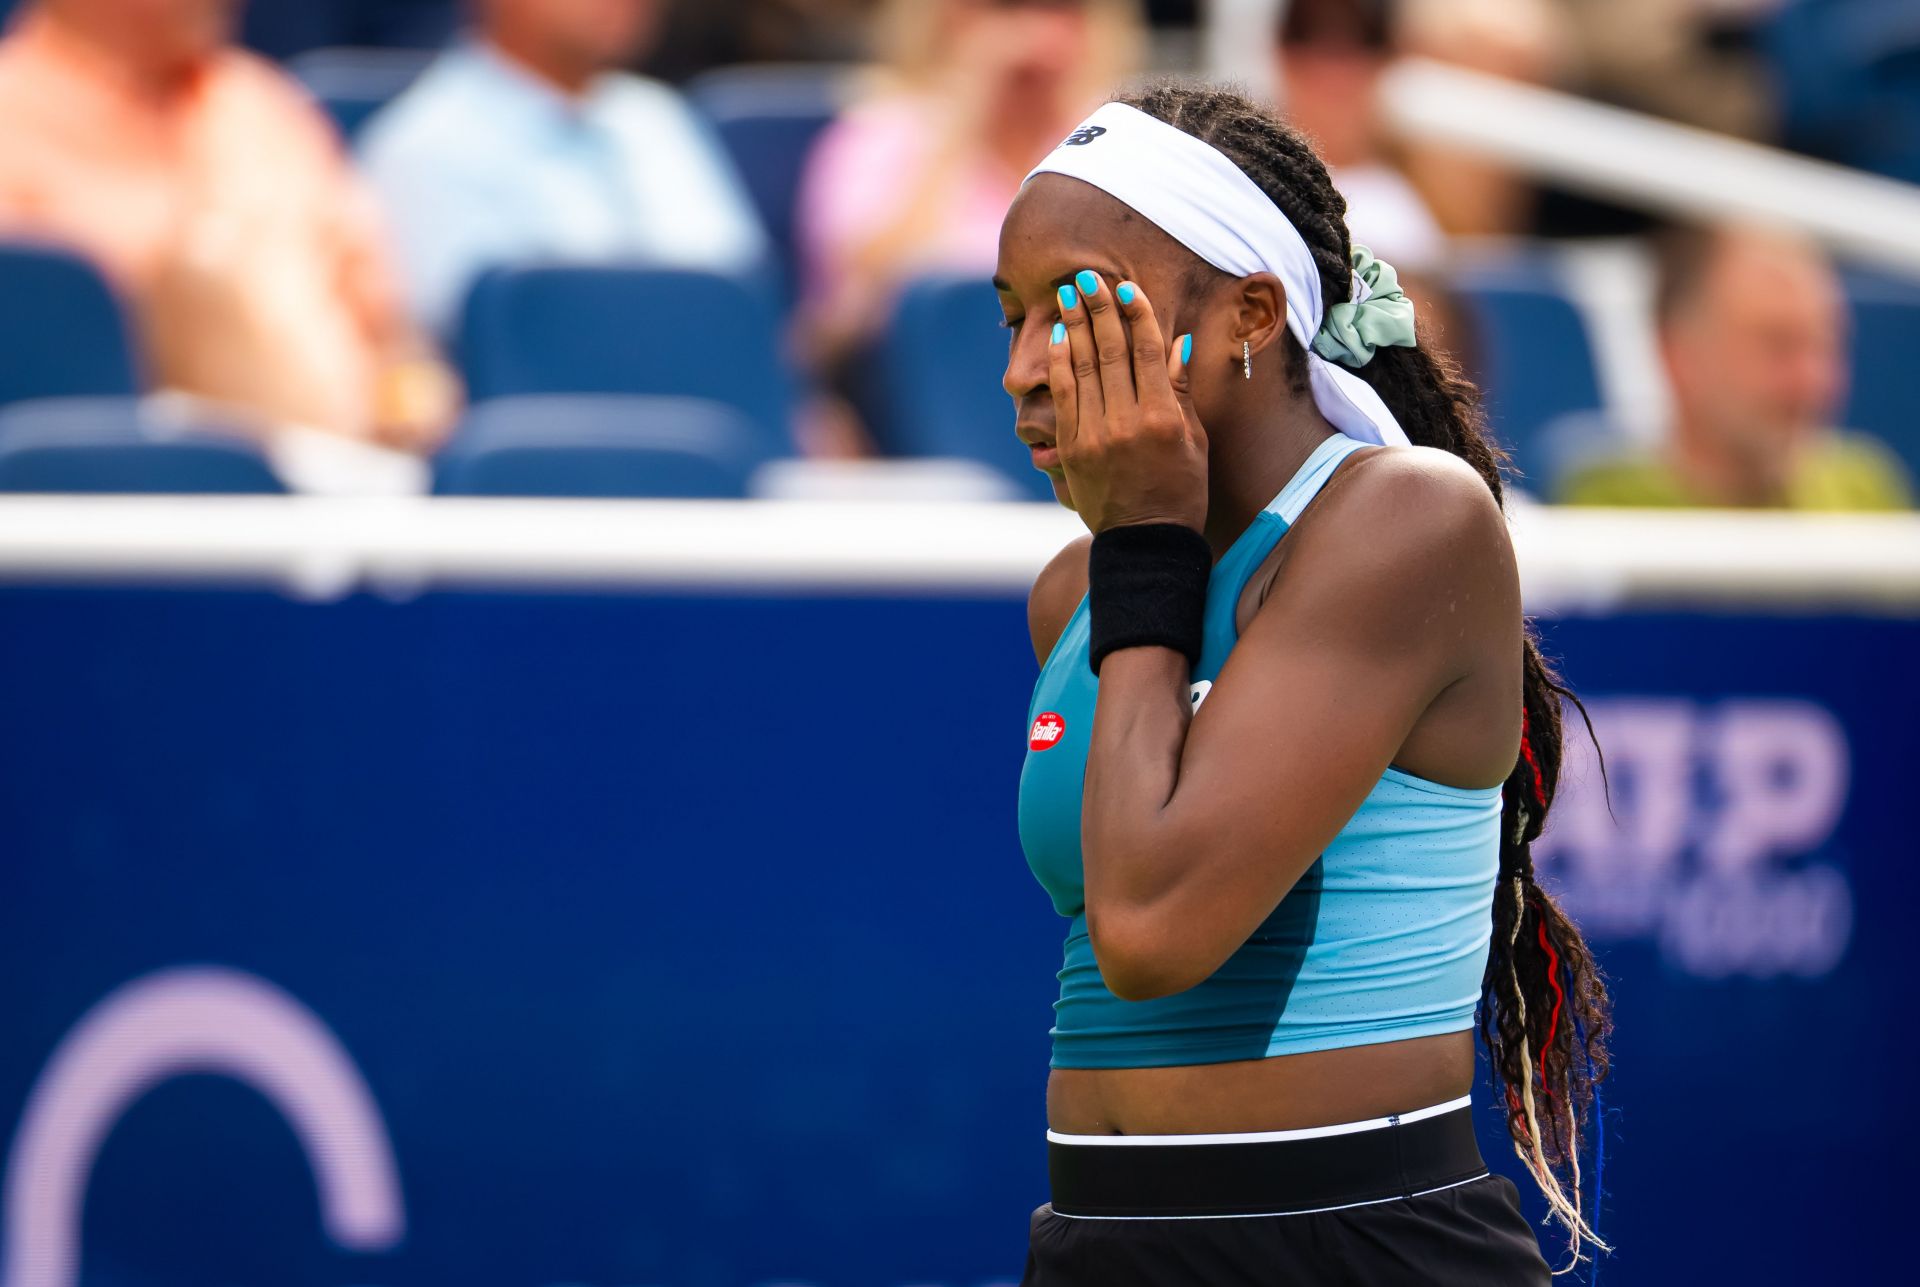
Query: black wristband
{"x":1147,"y":586}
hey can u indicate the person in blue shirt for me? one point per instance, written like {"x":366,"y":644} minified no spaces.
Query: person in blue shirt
{"x":1290,"y":743}
{"x":523,"y":143}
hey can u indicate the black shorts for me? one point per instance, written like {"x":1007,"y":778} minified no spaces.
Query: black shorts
{"x":1405,"y":1201}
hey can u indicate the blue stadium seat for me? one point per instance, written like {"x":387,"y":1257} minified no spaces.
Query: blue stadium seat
{"x":1886,"y":336}
{"x":62,"y":331}
{"x":769,"y":118}
{"x":112,"y":445}
{"x":353,"y":84}
{"x":942,"y":361}
{"x":1846,"y":74}
{"x":629,"y":330}
{"x":1536,"y":361}
{"x":601,"y":446}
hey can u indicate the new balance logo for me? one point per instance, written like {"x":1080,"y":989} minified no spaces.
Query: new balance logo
{"x":1084,"y":135}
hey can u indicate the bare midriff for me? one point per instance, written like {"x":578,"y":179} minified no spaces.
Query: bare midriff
{"x":1288,"y":1092}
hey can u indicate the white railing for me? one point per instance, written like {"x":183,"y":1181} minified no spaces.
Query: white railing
{"x":323,"y":546}
{"x":1643,"y":161}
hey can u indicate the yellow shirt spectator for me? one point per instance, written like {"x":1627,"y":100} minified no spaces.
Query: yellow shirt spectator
{"x":1843,"y":472}
{"x":1752,"y":326}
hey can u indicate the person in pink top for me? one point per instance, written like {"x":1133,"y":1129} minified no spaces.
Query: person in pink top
{"x":917,"y":174}
{"x":219,"y":200}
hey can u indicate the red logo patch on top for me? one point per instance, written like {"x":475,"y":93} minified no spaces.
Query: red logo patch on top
{"x":1046,"y":732}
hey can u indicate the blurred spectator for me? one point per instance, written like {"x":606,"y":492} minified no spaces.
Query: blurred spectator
{"x":1523,"y":40}
{"x":217,"y":195}
{"x":1332,"y":54}
{"x":715,"y":33}
{"x":916,"y":177}
{"x":1752,"y":329}
{"x":524,"y":144}
{"x":1692,"y":61}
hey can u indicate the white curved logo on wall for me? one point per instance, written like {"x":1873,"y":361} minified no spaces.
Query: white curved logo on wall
{"x":166,"y":1025}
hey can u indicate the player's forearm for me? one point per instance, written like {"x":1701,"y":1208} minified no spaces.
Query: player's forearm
{"x":1133,"y":767}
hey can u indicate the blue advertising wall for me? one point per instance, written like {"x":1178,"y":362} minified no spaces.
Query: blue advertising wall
{"x":684,"y":940}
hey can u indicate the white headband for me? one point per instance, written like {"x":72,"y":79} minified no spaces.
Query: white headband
{"x":1204,"y":201}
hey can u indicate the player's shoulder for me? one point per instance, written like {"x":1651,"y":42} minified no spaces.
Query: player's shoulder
{"x":1056,"y":592}
{"x":1420,"y":500}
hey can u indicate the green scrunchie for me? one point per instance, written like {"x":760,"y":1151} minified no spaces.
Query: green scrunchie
{"x":1353,"y":332}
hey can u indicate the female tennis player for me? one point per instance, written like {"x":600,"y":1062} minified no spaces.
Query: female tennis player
{"x":1290,"y":741}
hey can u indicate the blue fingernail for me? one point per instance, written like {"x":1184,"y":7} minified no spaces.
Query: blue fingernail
{"x":1186,"y":349}
{"x":1124,"y":292}
{"x":1067,"y":298}
{"x":1059,"y":331}
{"x":1089,"y":284}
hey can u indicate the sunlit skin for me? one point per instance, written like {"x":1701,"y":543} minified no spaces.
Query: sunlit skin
{"x":1385,"y":630}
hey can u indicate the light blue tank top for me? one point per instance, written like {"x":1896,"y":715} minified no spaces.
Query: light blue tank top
{"x":1383,"y":939}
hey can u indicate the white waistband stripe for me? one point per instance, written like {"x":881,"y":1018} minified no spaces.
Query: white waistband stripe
{"x":1264,"y":1137}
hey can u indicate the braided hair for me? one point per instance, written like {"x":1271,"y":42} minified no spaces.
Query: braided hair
{"x":1544,"y":1014}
